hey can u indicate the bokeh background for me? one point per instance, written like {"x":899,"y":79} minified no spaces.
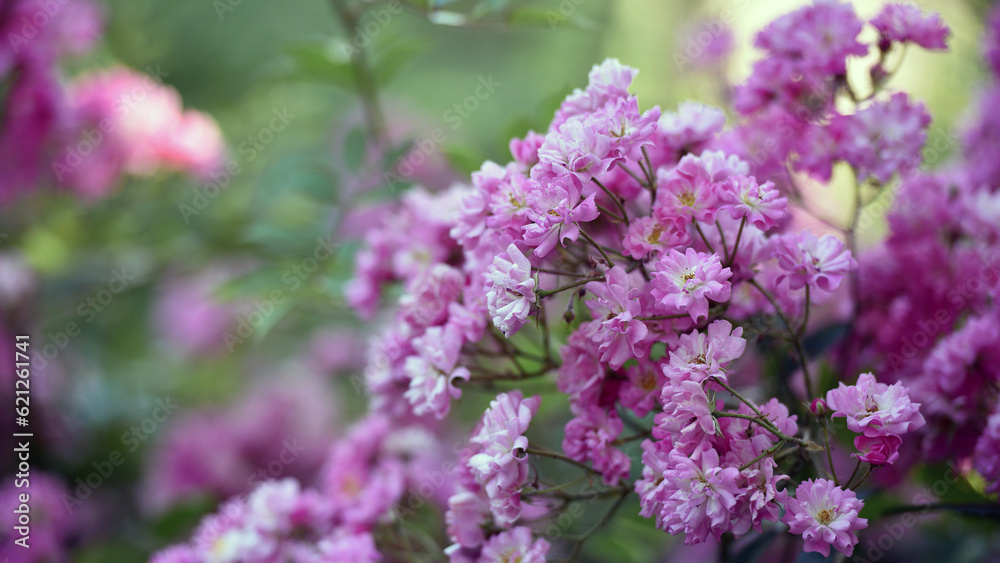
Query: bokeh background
{"x":190,"y":370}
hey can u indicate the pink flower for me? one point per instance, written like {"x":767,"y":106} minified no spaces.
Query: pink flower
{"x":581,"y":374}
{"x":650,"y":235}
{"x":514,"y":546}
{"x":687,"y":415}
{"x":54,"y":519}
{"x":143,"y":128}
{"x":608,"y":81}
{"x":589,"y":436}
{"x":619,"y":336}
{"x":578,"y":150}
{"x":819,"y":37}
{"x":987,"y":455}
{"x":706,"y":42}
{"x":698,"y":496}
{"x":684,"y":283}
{"x":907,"y":24}
{"x":348,"y":547}
{"x":690,"y":191}
{"x":642,"y":390}
{"x":433,"y":372}
{"x":817,"y":262}
{"x":875,"y":409}
{"x":555,"y":210}
{"x":467,"y":512}
{"x":991,"y":43}
{"x":655,"y":460}
{"x":757,"y":501}
{"x":427,"y":300}
{"x":628,"y":129}
{"x":759,"y":203}
{"x":691,"y":128}
{"x":525,"y":151}
{"x":508,"y":202}
{"x":361,"y":483}
{"x":501,"y":434}
{"x":883,"y":139}
{"x":786,"y":86}
{"x":30,"y":106}
{"x":511,"y":290}
{"x":825,"y":515}
{"x":877,"y":450}
{"x":500,"y":463}
{"x":700,"y":355}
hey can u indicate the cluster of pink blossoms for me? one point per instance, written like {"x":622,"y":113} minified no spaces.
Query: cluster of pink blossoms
{"x":85,"y":135}
{"x":377,"y":469}
{"x":670,"y":231}
{"x":655,"y":264}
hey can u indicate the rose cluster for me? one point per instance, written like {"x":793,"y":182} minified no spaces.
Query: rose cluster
{"x":658,"y":266}
{"x":84,"y":134}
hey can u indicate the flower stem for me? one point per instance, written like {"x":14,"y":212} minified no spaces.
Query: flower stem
{"x":545,"y":293}
{"x":614,"y":198}
{"x":607,"y":259}
{"x":796,"y":341}
{"x":829,"y":455}
{"x":736,"y":245}
{"x":532,"y":450}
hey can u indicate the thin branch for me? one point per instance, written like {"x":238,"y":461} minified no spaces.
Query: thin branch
{"x":611,"y":512}
{"x":609,"y":261}
{"x":736,"y":245}
{"x":796,"y":342}
{"x":725,"y":247}
{"x":614,"y":198}
{"x":704,"y":238}
{"x":829,"y":455}
{"x":545,"y":293}
{"x":556,"y":455}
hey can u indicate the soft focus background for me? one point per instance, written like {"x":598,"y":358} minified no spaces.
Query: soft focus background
{"x":211,"y":347}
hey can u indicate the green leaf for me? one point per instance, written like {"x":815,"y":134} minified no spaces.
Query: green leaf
{"x":178,"y":522}
{"x":319,"y":63}
{"x":271,"y":320}
{"x":393,"y":57}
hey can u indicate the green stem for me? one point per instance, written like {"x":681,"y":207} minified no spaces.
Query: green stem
{"x":363,"y":75}
{"x":607,"y":517}
{"x":803,"y":360}
{"x":545,"y":293}
{"x":853,"y":473}
{"x":736,"y":245}
{"x":607,"y":259}
{"x":725,"y":247}
{"x":765,"y":423}
{"x":560,"y":487}
{"x":805,"y":317}
{"x":614,"y":198}
{"x":829,"y":455}
{"x":770,"y":451}
{"x":704,"y":238}
{"x":556,"y":455}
